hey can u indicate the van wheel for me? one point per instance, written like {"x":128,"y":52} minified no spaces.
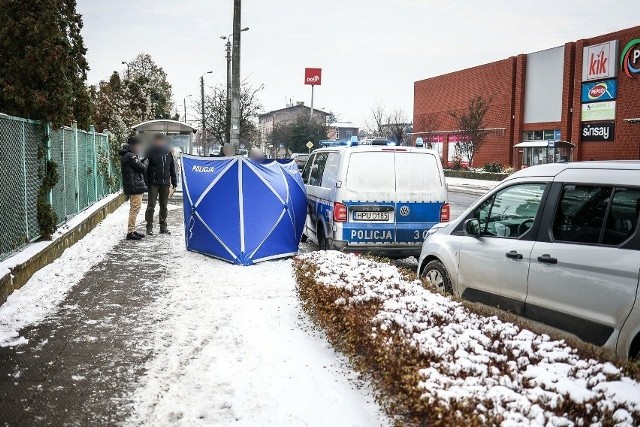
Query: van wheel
{"x":437,"y":275}
{"x":323,"y":243}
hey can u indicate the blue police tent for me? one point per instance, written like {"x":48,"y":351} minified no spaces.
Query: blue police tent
{"x":241,"y":211}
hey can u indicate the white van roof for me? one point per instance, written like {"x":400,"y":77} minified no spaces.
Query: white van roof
{"x":369,"y":148}
{"x":553,"y":169}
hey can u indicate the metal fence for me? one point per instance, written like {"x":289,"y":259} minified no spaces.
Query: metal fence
{"x":84,"y":168}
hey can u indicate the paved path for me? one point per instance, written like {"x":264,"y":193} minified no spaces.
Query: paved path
{"x":79,"y":364}
{"x":169,"y":337}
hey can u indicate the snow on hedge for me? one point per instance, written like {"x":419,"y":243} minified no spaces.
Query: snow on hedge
{"x":508,"y":373}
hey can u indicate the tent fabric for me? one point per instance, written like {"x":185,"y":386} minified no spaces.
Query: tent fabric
{"x":241,"y":211}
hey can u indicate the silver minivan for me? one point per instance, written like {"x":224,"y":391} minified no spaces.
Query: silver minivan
{"x":557,"y":244}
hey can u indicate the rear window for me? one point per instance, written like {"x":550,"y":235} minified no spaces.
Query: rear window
{"x":417,"y":172}
{"x":371,"y":171}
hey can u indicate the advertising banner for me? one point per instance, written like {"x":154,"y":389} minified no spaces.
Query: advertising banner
{"x":313,"y":76}
{"x":599,"y":91}
{"x":600,"y":61}
{"x":630,"y":58}
{"x":598,"y":131}
{"x":599,"y":111}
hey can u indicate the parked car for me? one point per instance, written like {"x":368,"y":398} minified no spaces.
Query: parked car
{"x":375,"y":199}
{"x":300,"y":159}
{"x":557,"y":244}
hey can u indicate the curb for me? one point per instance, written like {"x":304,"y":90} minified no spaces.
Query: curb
{"x":21,"y":273}
{"x":468,"y":190}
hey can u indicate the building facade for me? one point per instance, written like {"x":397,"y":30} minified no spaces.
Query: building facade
{"x":586,"y":92}
{"x":267,"y":121}
{"x":338,"y":131}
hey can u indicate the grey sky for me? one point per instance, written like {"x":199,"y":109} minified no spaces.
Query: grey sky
{"x":370,"y":50}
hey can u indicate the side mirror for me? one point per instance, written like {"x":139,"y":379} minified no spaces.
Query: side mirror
{"x":472,"y":227}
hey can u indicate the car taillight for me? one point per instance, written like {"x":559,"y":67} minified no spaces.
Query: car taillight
{"x":339,"y":212}
{"x":444,"y":213}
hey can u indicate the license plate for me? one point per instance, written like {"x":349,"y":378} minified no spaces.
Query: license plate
{"x":371,"y":216}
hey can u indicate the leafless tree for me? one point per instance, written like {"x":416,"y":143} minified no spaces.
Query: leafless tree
{"x":472,"y":132}
{"x":396,"y":127}
{"x":427,"y":126}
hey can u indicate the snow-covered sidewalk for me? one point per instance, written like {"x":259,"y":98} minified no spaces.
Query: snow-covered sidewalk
{"x":472,"y":186}
{"x":146,"y":333}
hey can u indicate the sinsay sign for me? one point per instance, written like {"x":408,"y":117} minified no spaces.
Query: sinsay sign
{"x":600,"y":61}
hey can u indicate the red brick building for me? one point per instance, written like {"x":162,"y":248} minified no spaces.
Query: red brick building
{"x":539,"y":98}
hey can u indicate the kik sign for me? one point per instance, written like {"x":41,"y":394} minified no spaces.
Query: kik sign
{"x":630,"y":58}
{"x":597,"y":131}
{"x":599,"y":91}
{"x":313,"y":76}
{"x":600,"y":61}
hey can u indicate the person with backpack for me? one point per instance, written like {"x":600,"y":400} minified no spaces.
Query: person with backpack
{"x":133,"y":182}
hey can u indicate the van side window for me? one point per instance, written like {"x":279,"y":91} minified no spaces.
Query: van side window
{"x":330,"y":175}
{"x":622,"y":220}
{"x":511,"y":212}
{"x":307,"y":169}
{"x":317,"y":169}
{"x":581,"y":212}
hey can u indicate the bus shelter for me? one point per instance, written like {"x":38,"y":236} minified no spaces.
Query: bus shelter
{"x":541,"y":152}
{"x":180,"y":134}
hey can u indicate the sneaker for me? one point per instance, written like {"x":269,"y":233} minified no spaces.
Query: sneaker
{"x":133,"y":236}
{"x":165,"y":232}
{"x":138,"y":234}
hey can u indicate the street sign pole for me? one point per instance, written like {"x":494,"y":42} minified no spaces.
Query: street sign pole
{"x":309,"y":146}
{"x":312,"y":86}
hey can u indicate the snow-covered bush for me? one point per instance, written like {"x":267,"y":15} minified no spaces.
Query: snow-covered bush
{"x":435,"y":362}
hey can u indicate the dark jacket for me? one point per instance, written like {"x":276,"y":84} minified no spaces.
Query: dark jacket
{"x":161,"y":170}
{"x":133,"y":171}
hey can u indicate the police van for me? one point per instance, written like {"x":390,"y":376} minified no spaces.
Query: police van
{"x":374,"y":198}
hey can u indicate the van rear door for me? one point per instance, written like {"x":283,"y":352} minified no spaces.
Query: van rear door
{"x":369,"y":195}
{"x":420,"y":194}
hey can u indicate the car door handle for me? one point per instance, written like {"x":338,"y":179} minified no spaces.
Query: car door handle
{"x":514,"y":255}
{"x":546,"y":259}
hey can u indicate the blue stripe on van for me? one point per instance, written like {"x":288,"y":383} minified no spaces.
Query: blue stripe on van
{"x":410,"y":228}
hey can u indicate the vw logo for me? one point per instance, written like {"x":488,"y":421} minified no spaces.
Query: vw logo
{"x":404,"y":210}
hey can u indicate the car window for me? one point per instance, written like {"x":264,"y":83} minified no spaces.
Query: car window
{"x":417,"y":172}
{"x":622,"y":219}
{"x":581,"y":212}
{"x":330,"y":175}
{"x":307,"y":170}
{"x":511,"y":212}
{"x":371,"y":172}
{"x":317,"y":169}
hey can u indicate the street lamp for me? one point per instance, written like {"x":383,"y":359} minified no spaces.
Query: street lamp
{"x":127,"y":64}
{"x":227,"y":132}
{"x":204,"y":122}
{"x":184,"y":104}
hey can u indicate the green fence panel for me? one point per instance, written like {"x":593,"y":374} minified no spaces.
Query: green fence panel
{"x":25,"y":148}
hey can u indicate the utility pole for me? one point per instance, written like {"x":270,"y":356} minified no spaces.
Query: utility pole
{"x":128,"y":66}
{"x":227,"y":118}
{"x":235,"y":75}
{"x":204,"y":121}
{"x":184,"y":104}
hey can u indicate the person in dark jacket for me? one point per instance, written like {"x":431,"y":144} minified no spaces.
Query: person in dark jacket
{"x":161,"y":175}
{"x":133,"y":185}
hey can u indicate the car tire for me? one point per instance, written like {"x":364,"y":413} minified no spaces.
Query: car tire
{"x":438,"y":276}
{"x":323,"y":243}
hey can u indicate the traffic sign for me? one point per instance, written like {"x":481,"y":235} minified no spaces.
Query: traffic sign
{"x":309,"y":145}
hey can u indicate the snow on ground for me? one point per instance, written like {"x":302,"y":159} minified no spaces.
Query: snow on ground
{"x":524,"y":375}
{"x":479,"y":184}
{"x":47,"y":288}
{"x":232,"y":346}
{"x":33,"y":248}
